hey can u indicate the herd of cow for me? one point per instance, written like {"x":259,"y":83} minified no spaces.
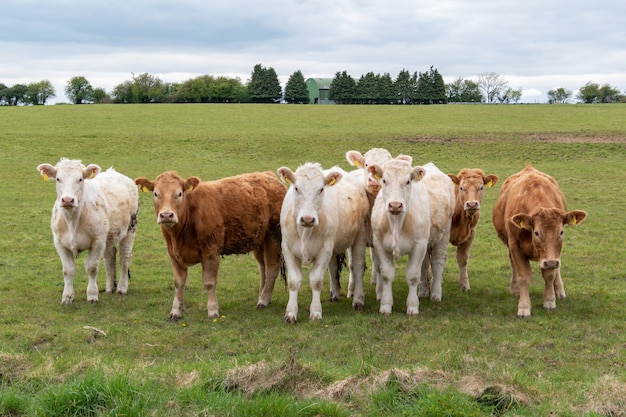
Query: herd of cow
{"x":322,"y":216}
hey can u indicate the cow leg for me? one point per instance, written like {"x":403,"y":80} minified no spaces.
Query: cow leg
{"x":110,"y":260}
{"x":437,"y":261}
{"x":559,"y":288}
{"x":210,"y":267}
{"x":294,"y":281}
{"x":549,"y":297}
{"x":316,"y":279}
{"x":351,"y":278}
{"x":333,"y":270}
{"x":357,"y":270}
{"x":272,"y":260}
{"x":384,"y":285}
{"x":375,"y":269}
{"x":91,"y":267}
{"x":522,"y":274}
{"x":180,"y":279}
{"x":69,"y":270}
{"x":126,"y":254}
{"x":426,"y":277}
{"x":513,"y":287}
{"x":462,"y":256}
{"x":415,"y":269}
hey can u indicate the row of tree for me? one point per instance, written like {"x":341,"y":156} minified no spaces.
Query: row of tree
{"x":264,"y":87}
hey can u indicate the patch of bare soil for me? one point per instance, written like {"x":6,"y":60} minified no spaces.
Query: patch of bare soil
{"x":538,"y":137}
{"x":607,"y":397}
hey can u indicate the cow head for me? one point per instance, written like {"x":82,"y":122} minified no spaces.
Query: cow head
{"x":308,"y":184}
{"x":546,"y":228}
{"x":471,"y":185}
{"x":375,"y":156}
{"x":70,"y":176}
{"x":397,"y":177}
{"x":168,"y":190}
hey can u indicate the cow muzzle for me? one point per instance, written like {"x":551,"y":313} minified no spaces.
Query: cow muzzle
{"x":307,"y":221}
{"x":395,"y":207}
{"x":550,"y":264}
{"x":167,"y":218}
{"x":472,"y":207}
{"x":68,"y":202}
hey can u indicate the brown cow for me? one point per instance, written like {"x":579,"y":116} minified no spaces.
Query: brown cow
{"x":469,"y":191}
{"x":202,"y":221}
{"x":529,"y":216}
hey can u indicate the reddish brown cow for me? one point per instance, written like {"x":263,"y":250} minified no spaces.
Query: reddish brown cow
{"x":202,"y":221}
{"x":529,"y":216}
{"x":469,"y":191}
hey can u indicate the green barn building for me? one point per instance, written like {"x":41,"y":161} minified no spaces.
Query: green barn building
{"x":319,"y":90}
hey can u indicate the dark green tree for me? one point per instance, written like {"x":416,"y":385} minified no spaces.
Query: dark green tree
{"x":559,"y":95}
{"x":296,"y":90}
{"x":100,"y":96}
{"x":264,"y":86}
{"x":463,"y":91}
{"x":367,"y":91}
{"x":386,"y":89}
{"x":39,"y":92}
{"x":342,"y":88}
{"x":609,"y":94}
{"x":16,"y":94}
{"x":144,"y":88}
{"x":79,"y":90}
{"x":3,"y":95}
{"x":404,"y":86}
{"x":589,"y":93}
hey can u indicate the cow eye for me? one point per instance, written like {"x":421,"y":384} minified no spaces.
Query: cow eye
{"x":180,"y":194}
{"x":321,"y":189}
{"x":156,"y":195}
{"x":482,"y":187}
{"x":461,"y":188}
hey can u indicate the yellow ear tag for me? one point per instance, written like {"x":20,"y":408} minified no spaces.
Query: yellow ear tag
{"x":45,"y":176}
{"x":356,"y":163}
{"x":522,"y":224}
{"x":489,"y":184}
{"x":376,"y":177}
{"x":145,"y":189}
{"x":92,"y":174}
{"x":573,"y":221}
{"x":331,"y":182}
{"x":190,"y":188}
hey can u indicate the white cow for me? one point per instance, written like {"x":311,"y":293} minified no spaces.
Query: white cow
{"x":411,"y":216}
{"x":322,"y":216}
{"x":375,"y":156}
{"x":94,"y":211}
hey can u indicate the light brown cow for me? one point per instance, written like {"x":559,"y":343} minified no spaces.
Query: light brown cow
{"x":202,"y":221}
{"x":469,"y":190}
{"x":529,"y":216}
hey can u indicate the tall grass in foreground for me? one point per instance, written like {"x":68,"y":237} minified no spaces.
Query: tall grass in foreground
{"x":469,"y":352}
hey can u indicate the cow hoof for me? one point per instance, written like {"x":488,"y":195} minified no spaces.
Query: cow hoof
{"x":213,"y":314}
{"x":358,"y":306}
{"x":465,"y":288}
{"x":334,"y":298}
{"x":261,"y":305}
{"x":92,"y":300}
{"x":315,"y":316}
{"x":173,"y":318}
{"x":435,"y":299}
{"x":412,"y":311}
{"x":291,"y":319}
{"x":523,"y":314}
{"x":561,"y":295}
{"x":551,"y":305}
{"x":121,"y":292}
{"x":423,"y":294}
{"x":67,"y":301}
{"x":385,"y":310}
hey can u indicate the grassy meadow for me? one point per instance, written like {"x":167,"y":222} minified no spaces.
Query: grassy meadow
{"x":466,"y":356}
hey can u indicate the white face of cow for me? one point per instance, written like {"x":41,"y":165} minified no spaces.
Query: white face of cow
{"x":308,"y":188}
{"x":396,"y":177}
{"x":70,"y":176}
{"x":168,"y":191}
{"x":375,"y":156}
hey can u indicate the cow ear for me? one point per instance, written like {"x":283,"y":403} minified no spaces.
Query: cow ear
{"x":47,"y":171}
{"x":491,"y":180}
{"x":418,"y":173}
{"x":376,"y":171}
{"x":456,"y":180}
{"x":574,"y":217}
{"x":355,"y":158}
{"x":145,"y":185}
{"x":523,"y":221}
{"x":407,"y":158}
{"x":91,"y":171}
{"x":191,"y":183}
{"x":332,"y":178}
{"x":286,"y":174}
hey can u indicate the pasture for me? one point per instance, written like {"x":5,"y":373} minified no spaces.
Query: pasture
{"x":468,"y":355}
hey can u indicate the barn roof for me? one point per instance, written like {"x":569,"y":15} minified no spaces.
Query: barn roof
{"x":322,"y":83}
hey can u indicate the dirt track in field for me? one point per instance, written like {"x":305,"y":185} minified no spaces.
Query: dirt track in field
{"x":538,"y":137}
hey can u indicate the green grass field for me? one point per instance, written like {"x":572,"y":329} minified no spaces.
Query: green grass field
{"x":467,"y":356}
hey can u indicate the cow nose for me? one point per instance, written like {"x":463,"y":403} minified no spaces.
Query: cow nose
{"x":395,"y":207}
{"x":67,"y":201}
{"x":307,"y":221}
{"x":472,"y":205}
{"x":166,"y":217}
{"x":551,"y":264}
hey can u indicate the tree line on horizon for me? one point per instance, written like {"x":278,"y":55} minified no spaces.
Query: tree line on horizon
{"x":264,"y":87}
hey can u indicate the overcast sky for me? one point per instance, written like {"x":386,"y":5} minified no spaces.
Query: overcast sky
{"x":535,"y":45}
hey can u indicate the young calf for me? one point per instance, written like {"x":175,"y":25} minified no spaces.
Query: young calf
{"x":322,"y":216}
{"x":469,"y":192}
{"x":93,"y":212}
{"x":202,"y":221}
{"x":529,"y":216}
